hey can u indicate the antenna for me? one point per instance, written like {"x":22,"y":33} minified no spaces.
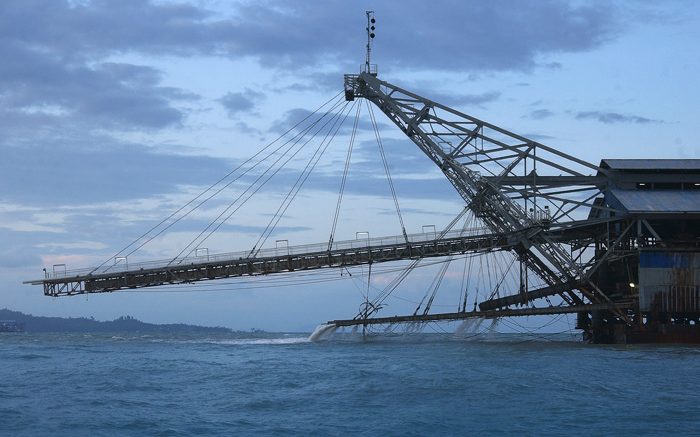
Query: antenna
{"x":370,"y":36}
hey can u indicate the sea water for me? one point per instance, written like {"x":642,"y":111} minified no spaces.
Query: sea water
{"x":283,"y":384}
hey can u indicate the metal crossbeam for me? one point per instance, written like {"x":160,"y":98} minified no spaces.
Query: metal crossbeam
{"x":493,"y":314}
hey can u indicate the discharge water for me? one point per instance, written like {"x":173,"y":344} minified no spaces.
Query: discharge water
{"x":284,"y":384}
{"x":321,"y":332}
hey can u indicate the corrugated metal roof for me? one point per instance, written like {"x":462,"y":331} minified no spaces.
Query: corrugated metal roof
{"x":651,"y":164}
{"x":659,"y":201}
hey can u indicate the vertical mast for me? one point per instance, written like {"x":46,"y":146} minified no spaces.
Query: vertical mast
{"x":370,"y":36}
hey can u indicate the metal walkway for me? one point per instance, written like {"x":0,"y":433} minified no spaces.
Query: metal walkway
{"x":267,"y":261}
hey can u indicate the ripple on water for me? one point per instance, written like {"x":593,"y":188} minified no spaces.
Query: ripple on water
{"x":282,"y":384}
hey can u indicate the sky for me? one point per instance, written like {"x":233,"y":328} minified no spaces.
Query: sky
{"x":114,"y":114}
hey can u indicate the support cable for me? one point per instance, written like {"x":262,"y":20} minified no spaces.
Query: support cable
{"x":381,"y":297}
{"x":386,"y":169}
{"x":378,"y":301}
{"x":440,"y":278}
{"x":466,"y":286}
{"x":213,"y":228}
{"x":344,"y":179}
{"x":306,"y":172}
{"x":209,"y":188}
{"x":463,"y":291}
{"x":216,"y":225}
{"x":292,"y":142}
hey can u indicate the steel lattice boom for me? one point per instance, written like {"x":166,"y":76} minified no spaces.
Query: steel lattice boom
{"x":496,"y":172}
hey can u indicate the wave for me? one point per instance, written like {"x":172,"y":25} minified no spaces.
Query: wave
{"x":254,"y":341}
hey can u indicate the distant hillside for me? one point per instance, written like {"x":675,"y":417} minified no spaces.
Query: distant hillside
{"x":82,"y":324}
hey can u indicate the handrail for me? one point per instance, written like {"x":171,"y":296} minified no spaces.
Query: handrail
{"x":302,"y":249}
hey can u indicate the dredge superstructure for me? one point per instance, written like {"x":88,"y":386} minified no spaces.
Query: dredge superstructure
{"x":617,"y":243}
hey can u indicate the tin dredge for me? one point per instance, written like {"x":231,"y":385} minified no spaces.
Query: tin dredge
{"x":617,"y":243}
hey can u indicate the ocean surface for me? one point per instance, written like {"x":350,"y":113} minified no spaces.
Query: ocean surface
{"x":282,"y":384}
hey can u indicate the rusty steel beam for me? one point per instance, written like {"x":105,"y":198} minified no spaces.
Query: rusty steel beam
{"x":523,"y":298}
{"x":493,"y":314}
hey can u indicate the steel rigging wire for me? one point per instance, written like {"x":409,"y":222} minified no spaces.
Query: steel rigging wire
{"x":343,"y":181}
{"x":386,"y":169}
{"x":214,"y":226}
{"x":297,"y":186}
{"x":209,"y":188}
{"x":303,"y":176}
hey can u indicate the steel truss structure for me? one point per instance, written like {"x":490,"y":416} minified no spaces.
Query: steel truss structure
{"x":513,"y":184}
{"x":553,"y":211}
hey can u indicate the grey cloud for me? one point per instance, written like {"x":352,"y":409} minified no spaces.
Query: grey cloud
{"x":292,"y":119}
{"x":95,"y":29}
{"x":330,"y":81}
{"x":457,"y":99}
{"x":614,"y":117}
{"x":477,"y":99}
{"x":553,"y":65}
{"x":245,"y":128}
{"x":19,"y":248}
{"x":53,"y":51}
{"x":540,"y":137}
{"x":18,"y":257}
{"x":108,"y":95}
{"x":540,"y":114}
{"x":62,"y":172}
{"x":442,"y":40}
{"x":459,"y":35}
{"x":244,"y":101}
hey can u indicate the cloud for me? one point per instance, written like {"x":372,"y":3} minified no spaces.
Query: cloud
{"x":239,"y":102}
{"x":96,"y":169}
{"x":103,"y":95}
{"x":540,"y":137}
{"x":80,"y":245}
{"x":94,"y":29}
{"x":463,"y":99}
{"x":614,"y":117}
{"x":245,"y":128}
{"x":471,"y":32}
{"x":297,"y":35}
{"x":17,"y":247}
{"x":553,"y":65}
{"x":330,"y":81}
{"x":54,"y":62}
{"x":55,"y":54}
{"x":18,"y":257}
{"x":540,"y":114}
